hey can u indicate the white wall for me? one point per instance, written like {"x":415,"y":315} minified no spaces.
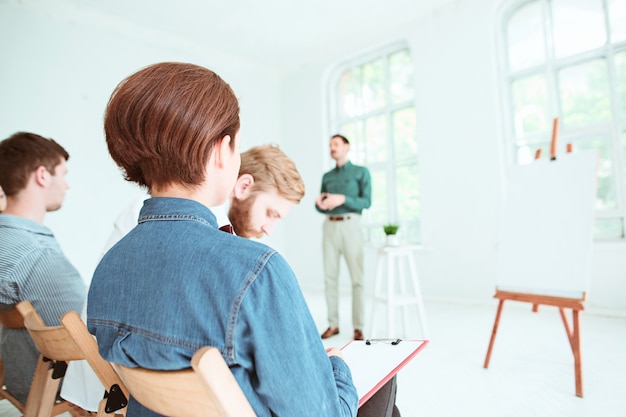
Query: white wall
{"x":461,"y":159}
{"x":57,"y":74}
{"x":55,"y":79}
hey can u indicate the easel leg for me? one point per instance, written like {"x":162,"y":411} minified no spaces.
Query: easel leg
{"x":493,"y":333}
{"x":573,"y":335}
{"x":578,"y":361}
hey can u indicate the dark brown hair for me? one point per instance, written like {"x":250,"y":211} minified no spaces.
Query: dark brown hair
{"x":342,"y":137}
{"x":21,"y":154}
{"x":162,"y":122}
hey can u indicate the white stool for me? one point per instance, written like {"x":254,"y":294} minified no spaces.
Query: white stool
{"x":397,"y":257}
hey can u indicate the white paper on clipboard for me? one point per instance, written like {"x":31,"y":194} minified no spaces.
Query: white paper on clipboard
{"x":373,"y":365}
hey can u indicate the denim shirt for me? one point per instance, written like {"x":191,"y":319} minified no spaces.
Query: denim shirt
{"x":176,"y":283}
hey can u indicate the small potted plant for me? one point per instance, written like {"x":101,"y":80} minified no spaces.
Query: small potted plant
{"x":390,"y":230}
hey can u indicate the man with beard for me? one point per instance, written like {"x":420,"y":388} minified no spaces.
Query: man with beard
{"x":346,"y":191}
{"x":268,"y":186}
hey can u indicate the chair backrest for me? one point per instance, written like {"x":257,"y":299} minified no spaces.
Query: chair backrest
{"x":53,"y":342}
{"x":209,"y":389}
{"x":117,"y":394}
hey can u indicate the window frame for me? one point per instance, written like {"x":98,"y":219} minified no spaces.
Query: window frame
{"x":374,"y":229}
{"x":614,"y":129}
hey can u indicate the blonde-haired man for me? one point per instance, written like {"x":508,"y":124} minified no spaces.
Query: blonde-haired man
{"x":268,"y":186}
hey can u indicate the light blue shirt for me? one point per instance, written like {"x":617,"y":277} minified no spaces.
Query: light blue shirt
{"x":175,"y":283}
{"x":33,"y":268}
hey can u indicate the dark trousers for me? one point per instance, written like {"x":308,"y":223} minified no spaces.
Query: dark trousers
{"x":383,"y":403}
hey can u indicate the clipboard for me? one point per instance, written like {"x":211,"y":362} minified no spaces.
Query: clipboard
{"x":373,"y":362}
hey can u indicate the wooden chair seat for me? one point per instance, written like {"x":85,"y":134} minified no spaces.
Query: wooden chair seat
{"x":208,"y":389}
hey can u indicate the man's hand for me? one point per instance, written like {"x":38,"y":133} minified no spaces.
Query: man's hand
{"x":333,"y":351}
{"x":327,"y":201}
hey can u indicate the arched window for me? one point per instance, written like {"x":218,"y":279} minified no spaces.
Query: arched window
{"x":372,"y":104}
{"x":567,"y":59}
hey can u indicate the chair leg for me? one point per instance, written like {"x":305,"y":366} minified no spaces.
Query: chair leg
{"x":43,"y":391}
{"x":33,"y":402}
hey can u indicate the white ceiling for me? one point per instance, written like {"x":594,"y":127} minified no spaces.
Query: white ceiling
{"x":278,"y":33}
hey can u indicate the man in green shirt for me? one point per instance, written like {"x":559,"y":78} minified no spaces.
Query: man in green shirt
{"x":346,"y":191}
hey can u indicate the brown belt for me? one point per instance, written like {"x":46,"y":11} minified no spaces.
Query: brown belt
{"x":338,"y":218}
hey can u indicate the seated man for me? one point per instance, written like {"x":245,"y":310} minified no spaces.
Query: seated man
{"x":268,"y":186}
{"x":32,"y":264}
{"x":176,"y":266}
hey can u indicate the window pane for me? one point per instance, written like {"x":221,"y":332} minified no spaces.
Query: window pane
{"x":608,"y":228}
{"x":376,"y":139}
{"x":374,"y":85}
{"x":410,"y":232}
{"x":624,"y":156}
{"x":606,"y":193}
{"x":620,"y":71}
{"x":374,"y":109}
{"x":617,"y":17}
{"x":378,"y":213}
{"x":525,"y":36}
{"x":401,"y":74}
{"x":404,"y":133}
{"x":578,"y":26}
{"x":530,"y":105}
{"x":584,"y":92}
{"x":407,"y":183}
{"x":348,"y":97}
{"x":375,"y":234}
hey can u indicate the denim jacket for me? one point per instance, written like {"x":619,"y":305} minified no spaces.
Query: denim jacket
{"x":176,"y":283}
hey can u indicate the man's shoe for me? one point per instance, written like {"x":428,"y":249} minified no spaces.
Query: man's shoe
{"x":358,"y":335}
{"x":331,"y":331}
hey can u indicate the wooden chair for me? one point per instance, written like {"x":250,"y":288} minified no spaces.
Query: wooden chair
{"x":116,"y":396}
{"x":209,"y":389}
{"x":57,"y":347}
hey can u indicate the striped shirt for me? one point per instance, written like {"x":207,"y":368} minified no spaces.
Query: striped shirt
{"x":34,"y":268}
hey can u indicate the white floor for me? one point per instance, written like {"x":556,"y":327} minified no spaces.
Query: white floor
{"x":531,"y":371}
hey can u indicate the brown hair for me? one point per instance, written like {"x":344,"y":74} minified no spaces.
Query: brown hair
{"x":162,"y":122}
{"x":272,"y":169}
{"x":21,"y":154}
{"x":342,"y":137}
